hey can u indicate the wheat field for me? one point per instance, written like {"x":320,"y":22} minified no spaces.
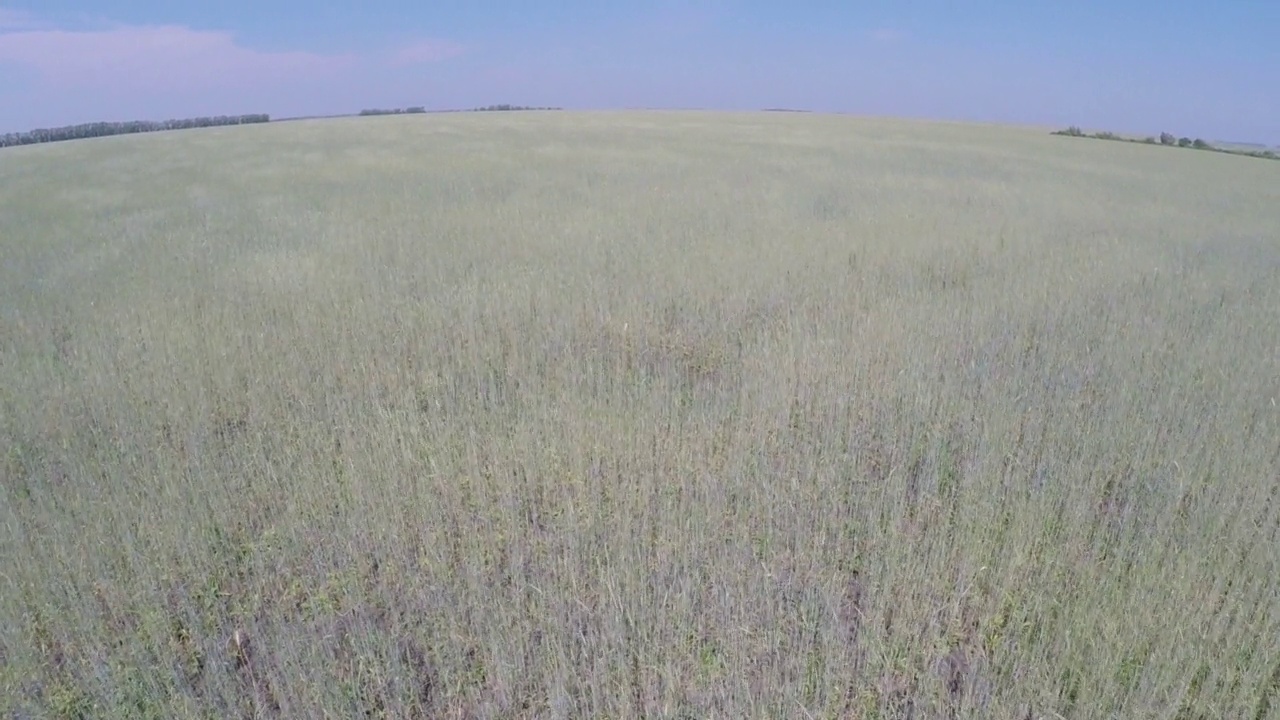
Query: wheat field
{"x":624,"y":415}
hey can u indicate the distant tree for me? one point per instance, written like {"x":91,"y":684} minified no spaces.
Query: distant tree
{"x":1107,"y":135}
{"x":103,"y":129}
{"x":1167,"y":139}
{"x":1201,"y":144}
{"x":1184,"y":142}
{"x":506,"y":108}
{"x":392,"y":111}
{"x":1149,"y":141}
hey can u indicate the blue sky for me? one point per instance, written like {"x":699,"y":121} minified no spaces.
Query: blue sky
{"x":1126,"y":65}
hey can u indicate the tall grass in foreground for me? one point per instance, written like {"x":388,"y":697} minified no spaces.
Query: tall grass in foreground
{"x":638,"y":416}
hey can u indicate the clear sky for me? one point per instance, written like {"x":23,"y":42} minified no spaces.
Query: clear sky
{"x":1126,"y":65}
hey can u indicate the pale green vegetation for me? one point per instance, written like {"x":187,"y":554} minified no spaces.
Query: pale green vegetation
{"x":638,"y":415}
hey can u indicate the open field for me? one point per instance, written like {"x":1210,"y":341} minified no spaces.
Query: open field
{"x":638,"y":415}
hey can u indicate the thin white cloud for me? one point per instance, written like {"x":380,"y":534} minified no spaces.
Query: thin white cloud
{"x":155,"y":57}
{"x":11,"y":20}
{"x":426,"y":51}
{"x":682,"y":19}
{"x":887,"y":35}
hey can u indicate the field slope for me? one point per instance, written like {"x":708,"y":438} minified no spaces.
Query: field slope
{"x":638,"y":415}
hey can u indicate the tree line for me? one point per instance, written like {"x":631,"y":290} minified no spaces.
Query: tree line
{"x":1168,"y":140}
{"x":507,"y":108}
{"x":419,"y":109}
{"x":393,"y":111}
{"x":103,"y":129}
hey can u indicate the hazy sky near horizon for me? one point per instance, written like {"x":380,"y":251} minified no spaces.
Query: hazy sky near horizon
{"x":1125,"y":65}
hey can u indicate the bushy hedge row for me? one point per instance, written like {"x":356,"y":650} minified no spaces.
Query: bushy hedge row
{"x":1167,"y":139}
{"x":101,"y":129}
